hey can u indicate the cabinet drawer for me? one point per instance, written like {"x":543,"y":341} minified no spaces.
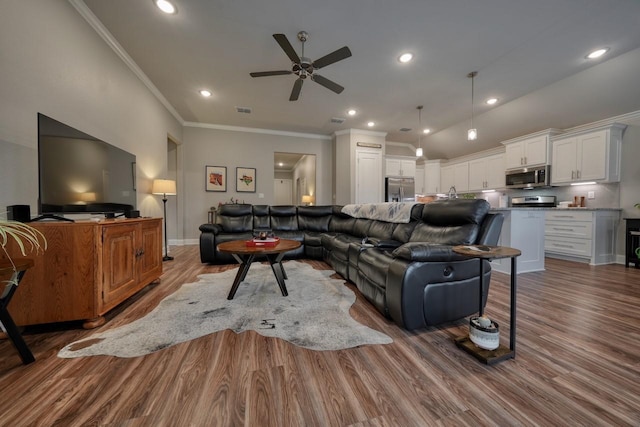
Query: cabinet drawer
{"x":568,"y":245}
{"x":567,"y":215}
{"x":581,"y":230}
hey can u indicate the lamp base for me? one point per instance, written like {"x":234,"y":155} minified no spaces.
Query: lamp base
{"x":167,"y":258}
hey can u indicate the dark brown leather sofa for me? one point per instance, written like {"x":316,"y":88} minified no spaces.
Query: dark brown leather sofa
{"x":408,"y":271}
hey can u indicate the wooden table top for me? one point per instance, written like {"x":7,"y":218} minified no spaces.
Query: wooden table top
{"x":21,"y":264}
{"x":240,"y":247}
{"x":487,"y":252}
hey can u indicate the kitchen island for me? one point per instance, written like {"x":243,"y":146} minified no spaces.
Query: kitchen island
{"x":523,"y":229}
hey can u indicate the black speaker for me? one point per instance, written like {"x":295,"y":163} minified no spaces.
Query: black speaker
{"x":132,"y":214}
{"x":20,"y":213}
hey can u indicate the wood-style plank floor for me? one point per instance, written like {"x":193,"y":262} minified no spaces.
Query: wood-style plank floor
{"x":578,"y":363}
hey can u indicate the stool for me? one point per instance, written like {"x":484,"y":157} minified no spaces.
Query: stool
{"x":17,"y":272}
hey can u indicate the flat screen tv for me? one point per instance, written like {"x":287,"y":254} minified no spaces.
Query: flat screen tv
{"x":79,"y":173}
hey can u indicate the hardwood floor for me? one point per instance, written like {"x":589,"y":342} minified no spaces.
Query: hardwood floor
{"x":578,"y":363}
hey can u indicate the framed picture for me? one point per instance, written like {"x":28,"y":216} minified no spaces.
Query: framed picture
{"x":216,"y":178}
{"x":246,"y":180}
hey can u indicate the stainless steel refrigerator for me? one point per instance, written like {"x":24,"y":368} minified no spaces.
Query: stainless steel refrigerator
{"x":399,"y":190}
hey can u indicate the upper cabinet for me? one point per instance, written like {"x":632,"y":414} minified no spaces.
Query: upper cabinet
{"x":531,"y":150}
{"x":486,"y":173}
{"x":431,"y":183}
{"x":591,"y":155}
{"x":456,"y":175}
{"x":398,"y":166}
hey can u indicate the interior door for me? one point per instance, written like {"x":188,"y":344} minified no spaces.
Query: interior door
{"x":283,"y":191}
{"x":369,"y":177}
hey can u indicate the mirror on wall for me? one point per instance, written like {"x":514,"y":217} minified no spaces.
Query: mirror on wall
{"x":294,"y":179}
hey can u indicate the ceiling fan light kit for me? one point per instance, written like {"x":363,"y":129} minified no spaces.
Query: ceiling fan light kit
{"x":304,"y":67}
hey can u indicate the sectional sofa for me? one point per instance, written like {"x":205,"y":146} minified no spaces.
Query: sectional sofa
{"x":407,"y":270}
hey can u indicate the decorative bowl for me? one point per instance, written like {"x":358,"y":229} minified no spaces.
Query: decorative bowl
{"x":484,"y":332}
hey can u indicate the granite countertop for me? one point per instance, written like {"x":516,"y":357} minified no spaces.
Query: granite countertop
{"x":557,"y":209}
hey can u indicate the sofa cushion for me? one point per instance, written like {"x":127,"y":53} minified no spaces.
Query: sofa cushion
{"x":236,"y":218}
{"x":381,"y":230}
{"x":261,"y":218}
{"x":451,"y":222}
{"x":341,"y":223}
{"x":283,"y":218}
{"x":314,"y":218}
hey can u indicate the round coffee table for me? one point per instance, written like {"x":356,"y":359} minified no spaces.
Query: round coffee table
{"x":245,"y":255}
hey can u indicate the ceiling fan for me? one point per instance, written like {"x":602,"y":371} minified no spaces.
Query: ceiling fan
{"x":304,"y":67}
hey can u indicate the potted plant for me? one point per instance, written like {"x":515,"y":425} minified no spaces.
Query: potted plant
{"x":26,"y":237}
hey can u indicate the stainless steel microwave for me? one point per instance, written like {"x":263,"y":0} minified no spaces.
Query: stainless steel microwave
{"x":538,"y":176}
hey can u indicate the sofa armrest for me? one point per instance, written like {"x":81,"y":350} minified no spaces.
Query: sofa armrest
{"x":383,"y":244}
{"x":210,"y":228}
{"x":427,"y":252}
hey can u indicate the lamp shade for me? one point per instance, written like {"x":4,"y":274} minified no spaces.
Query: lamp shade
{"x":165,"y":187}
{"x":307,"y":198}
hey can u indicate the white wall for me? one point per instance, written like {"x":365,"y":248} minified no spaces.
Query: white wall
{"x":215,"y":147}
{"x":53,"y":62}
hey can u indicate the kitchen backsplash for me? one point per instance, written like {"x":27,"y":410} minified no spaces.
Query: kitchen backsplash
{"x":606,"y":195}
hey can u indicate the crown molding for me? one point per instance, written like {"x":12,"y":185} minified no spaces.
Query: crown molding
{"x":256,"y":130}
{"x":99,"y":28}
{"x":621,"y":119}
{"x":401,"y":144}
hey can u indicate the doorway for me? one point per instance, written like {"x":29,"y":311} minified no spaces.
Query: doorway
{"x":294,"y":178}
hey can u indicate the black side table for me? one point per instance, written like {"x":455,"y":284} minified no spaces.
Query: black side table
{"x":483,"y":252}
{"x":632,"y":242}
{"x":6,"y":268}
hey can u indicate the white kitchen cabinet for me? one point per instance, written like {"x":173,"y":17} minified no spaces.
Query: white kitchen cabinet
{"x":461,"y":176}
{"x":456,"y":175}
{"x":588,"y":156}
{"x":432,"y":177}
{"x":400,"y":167}
{"x":522,"y":229}
{"x":419,"y":180}
{"x":486,"y":173}
{"x":582,"y":235}
{"x":527,"y":152}
{"x":446,"y":178}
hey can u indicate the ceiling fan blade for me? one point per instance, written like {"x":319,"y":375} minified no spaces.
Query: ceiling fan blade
{"x":295,"y":93}
{"x":270,"y":73}
{"x":334,"y":56}
{"x":327,"y":83}
{"x":286,"y":46}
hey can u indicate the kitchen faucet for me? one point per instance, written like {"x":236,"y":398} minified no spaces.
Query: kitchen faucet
{"x":453,"y":194}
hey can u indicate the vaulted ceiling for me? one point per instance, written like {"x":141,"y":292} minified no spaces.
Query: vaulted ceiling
{"x":531,"y":55}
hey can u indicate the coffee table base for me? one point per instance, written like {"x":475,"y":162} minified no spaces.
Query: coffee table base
{"x":275,"y":260}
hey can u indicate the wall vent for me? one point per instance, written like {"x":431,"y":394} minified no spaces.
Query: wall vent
{"x":245,"y":110}
{"x":338,"y":120}
{"x":405,"y":129}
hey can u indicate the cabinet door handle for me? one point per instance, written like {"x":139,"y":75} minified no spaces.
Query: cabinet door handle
{"x":562,"y":246}
{"x":578,"y":174}
{"x":525,"y":160}
{"x":563,"y":229}
{"x":573,"y":174}
{"x":521,"y":161}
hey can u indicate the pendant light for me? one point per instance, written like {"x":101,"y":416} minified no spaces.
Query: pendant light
{"x":419,"y":149}
{"x":472,"y":133}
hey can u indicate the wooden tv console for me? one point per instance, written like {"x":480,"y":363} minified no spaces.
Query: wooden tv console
{"x":88,"y":269}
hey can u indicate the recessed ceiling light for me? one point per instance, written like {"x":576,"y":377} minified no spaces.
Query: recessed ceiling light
{"x":206,"y":93}
{"x":597,"y":53}
{"x":165,"y":6}
{"x":405,"y":57}
{"x":426,"y":130}
{"x":371,"y":124}
{"x":491,"y":101}
{"x":352,"y":112}
{"x":280,"y":164}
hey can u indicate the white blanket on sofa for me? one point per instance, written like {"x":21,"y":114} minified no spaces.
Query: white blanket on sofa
{"x":388,"y":212}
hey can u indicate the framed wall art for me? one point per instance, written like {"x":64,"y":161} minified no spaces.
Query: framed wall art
{"x":216,"y":178}
{"x":246,"y":180}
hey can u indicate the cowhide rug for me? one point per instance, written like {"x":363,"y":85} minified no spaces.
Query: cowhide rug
{"x":315,"y":315}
